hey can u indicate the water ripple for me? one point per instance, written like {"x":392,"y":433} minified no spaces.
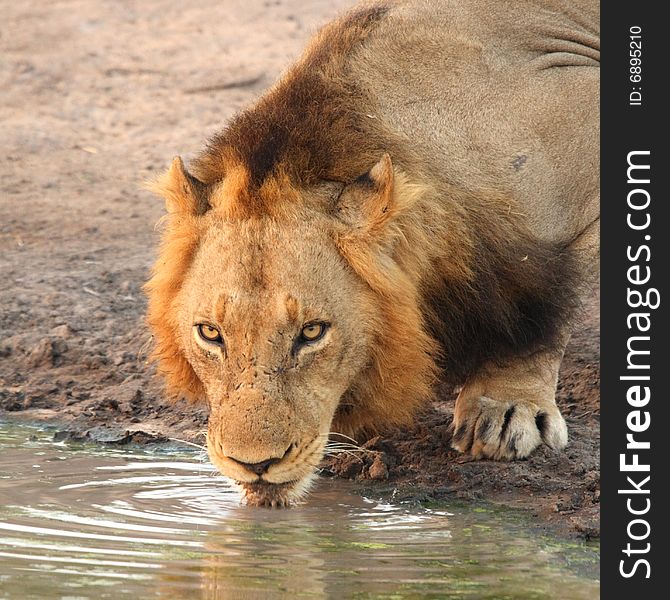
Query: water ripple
{"x":85,"y":521}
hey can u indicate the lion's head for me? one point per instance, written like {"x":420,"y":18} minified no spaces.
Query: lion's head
{"x":286,"y":311}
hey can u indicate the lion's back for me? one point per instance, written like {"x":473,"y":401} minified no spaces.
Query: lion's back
{"x":496,"y":96}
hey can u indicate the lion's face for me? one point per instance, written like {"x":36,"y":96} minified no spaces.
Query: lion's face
{"x":276,"y":327}
{"x":291,"y":323}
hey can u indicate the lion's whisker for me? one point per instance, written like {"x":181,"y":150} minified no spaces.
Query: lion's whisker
{"x":349,"y":452}
{"x":346,"y":447}
{"x":340,"y":434}
{"x":331,"y":444}
{"x":188,"y":443}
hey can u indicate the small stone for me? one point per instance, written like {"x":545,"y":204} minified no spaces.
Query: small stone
{"x":65,"y":435}
{"x":349,"y":466}
{"x":41,"y":354}
{"x":109,"y":404}
{"x":95,"y":361}
{"x":62,"y":331}
{"x":378,"y":470}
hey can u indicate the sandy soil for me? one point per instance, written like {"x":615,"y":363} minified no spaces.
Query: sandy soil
{"x":97,"y":96}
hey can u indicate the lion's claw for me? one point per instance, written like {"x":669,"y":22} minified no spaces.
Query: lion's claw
{"x":488,"y":428}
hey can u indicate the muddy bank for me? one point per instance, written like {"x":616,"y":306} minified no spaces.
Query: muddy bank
{"x":96,"y":98}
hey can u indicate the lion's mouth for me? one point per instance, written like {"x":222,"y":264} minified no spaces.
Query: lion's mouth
{"x":270,"y":495}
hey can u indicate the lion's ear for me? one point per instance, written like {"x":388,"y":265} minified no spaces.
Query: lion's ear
{"x":183,"y":193}
{"x":367,"y":204}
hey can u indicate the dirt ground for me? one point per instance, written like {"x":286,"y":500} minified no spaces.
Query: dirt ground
{"x":97,"y":96}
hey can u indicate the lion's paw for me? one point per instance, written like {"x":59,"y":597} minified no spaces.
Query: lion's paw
{"x":489,"y":428}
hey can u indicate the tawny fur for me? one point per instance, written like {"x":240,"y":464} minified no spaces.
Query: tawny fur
{"x":459,"y":248}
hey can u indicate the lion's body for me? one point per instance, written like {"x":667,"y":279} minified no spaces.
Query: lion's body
{"x":473,"y":241}
{"x":497,"y":96}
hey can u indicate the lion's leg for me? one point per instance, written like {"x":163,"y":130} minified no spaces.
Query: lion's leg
{"x":506,"y":412}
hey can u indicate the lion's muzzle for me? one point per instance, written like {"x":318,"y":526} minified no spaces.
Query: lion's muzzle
{"x":271,"y":472}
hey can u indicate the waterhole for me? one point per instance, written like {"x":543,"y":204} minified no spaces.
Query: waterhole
{"x":90,"y":521}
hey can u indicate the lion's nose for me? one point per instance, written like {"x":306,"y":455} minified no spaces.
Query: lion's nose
{"x":260,"y":468}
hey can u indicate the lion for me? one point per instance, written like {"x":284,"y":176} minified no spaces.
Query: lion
{"x":416,"y":198}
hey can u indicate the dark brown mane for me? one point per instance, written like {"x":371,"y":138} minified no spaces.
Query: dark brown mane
{"x":307,"y":126}
{"x":522,"y":292}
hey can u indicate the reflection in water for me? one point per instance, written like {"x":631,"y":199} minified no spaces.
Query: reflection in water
{"x":85,"y":521}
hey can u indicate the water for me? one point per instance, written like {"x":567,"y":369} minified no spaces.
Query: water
{"x":84,"y":521}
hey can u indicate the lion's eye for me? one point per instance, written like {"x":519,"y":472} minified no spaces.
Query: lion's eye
{"x":209,"y":334}
{"x":313,"y":331}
